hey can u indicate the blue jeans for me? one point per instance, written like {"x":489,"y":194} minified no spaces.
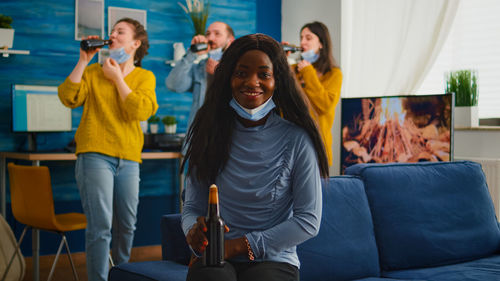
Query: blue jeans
{"x":109,"y":189}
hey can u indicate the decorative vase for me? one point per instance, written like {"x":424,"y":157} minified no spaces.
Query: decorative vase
{"x":153,"y":128}
{"x":466,"y":116}
{"x":179,"y":51}
{"x":171,"y":129}
{"x":144,"y":126}
{"x":6,"y":37}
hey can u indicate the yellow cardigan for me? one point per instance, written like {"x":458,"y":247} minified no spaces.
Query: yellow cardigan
{"x":109,"y":125}
{"x":323,"y":94}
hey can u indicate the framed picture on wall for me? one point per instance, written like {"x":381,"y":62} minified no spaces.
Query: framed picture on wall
{"x":117,"y":13}
{"x":89,"y":18}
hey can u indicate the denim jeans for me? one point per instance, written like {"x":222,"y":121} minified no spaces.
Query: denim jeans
{"x":109,"y":189}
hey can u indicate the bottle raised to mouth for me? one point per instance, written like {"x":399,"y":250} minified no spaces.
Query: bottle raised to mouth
{"x":90,"y":44}
{"x":291,"y":48}
{"x":198,"y":47}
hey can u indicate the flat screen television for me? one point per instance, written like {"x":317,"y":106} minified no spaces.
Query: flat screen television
{"x":396,"y":129}
{"x":37,"y":109}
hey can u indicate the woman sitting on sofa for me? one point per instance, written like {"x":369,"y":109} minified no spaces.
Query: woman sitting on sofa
{"x":254,"y":138}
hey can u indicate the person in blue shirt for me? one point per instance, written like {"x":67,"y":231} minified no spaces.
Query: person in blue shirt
{"x":188,"y":76}
{"x":254,"y":138}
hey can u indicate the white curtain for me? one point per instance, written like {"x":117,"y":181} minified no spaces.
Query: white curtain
{"x":388,"y":46}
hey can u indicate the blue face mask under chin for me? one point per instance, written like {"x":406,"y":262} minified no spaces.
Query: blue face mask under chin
{"x":119,"y":55}
{"x":215,"y":54}
{"x":310,"y":56}
{"x":253,"y":114}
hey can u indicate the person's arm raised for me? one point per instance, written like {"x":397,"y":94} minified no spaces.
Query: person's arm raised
{"x":85,"y":57}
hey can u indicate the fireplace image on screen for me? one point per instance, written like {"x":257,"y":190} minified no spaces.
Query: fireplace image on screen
{"x":396,"y":129}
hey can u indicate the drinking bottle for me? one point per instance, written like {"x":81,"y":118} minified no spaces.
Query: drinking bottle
{"x":291,"y":48}
{"x":88,"y":44}
{"x":214,"y":252}
{"x":199,"y":47}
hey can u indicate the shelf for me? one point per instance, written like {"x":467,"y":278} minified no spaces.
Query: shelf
{"x":6,"y":53}
{"x":196,"y":61}
{"x":170,"y":62}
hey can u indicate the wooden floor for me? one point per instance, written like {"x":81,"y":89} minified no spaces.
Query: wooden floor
{"x":63,"y":270}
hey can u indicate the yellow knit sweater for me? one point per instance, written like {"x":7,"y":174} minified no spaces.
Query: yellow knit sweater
{"x":109,"y":125}
{"x":323,"y":94}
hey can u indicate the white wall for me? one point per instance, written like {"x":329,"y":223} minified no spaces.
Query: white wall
{"x":296,"y":13}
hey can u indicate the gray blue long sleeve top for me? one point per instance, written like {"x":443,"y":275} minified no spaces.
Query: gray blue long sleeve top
{"x":187,"y":76}
{"x":269,"y":190}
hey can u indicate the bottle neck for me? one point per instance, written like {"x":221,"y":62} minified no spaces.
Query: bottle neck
{"x":213,"y":210}
{"x":213,"y":201}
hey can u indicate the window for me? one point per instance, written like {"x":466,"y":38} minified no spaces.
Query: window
{"x":473,"y":43}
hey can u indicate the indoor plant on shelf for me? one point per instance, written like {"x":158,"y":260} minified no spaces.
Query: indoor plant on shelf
{"x":6,"y":32}
{"x":153,"y":124}
{"x":464,"y":84}
{"x":197,"y":10}
{"x":170,"y":124}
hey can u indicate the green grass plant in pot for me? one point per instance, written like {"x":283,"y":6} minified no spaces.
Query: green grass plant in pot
{"x":153,"y":124}
{"x":197,"y":11}
{"x":170,"y":124}
{"x":464,"y":84}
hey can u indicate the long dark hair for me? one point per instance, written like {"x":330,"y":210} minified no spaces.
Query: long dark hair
{"x":140,"y":34}
{"x":325,"y":61}
{"x":209,"y":136}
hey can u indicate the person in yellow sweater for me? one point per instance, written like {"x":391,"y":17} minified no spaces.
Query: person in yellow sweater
{"x":320,"y":78}
{"x":115,"y":97}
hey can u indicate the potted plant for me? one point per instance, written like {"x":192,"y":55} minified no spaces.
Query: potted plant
{"x":153,"y":124}
{"x":197,"y":11}
{"x":6,"y":32}
{"x":464,"y":84}
{"x":170,"y":124}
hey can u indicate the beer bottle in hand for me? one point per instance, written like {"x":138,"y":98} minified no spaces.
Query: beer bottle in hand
{"x":214,"y":252}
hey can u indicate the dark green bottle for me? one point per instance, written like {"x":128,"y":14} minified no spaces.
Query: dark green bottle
{"x":214,"y":252}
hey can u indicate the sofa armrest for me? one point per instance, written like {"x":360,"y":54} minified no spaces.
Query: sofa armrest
{"x":173,"y":242}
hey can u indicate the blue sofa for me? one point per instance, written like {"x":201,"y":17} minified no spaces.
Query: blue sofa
{"x":421,"y":221}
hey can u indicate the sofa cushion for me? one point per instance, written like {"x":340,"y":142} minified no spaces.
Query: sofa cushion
{"x":173,"y":242}
{"x":148,"y":271}
{"x":344,"y":248}
{"x":481,"y":269}
{"x":429,"y":214}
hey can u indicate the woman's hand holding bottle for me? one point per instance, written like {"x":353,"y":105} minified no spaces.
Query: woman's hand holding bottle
{"x":86,"y":56}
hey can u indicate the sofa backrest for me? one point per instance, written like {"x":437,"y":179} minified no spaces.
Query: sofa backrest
{"x":344,"y":248}
{"x":429,"y":214}
{"x":173,"y":242}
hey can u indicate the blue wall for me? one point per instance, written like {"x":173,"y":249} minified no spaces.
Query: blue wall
{"x":46,"y":28}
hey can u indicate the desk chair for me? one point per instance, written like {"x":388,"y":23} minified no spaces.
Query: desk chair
{"x":32,"y":204}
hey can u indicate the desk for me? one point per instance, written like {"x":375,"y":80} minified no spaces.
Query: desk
{"x":37,"y":157}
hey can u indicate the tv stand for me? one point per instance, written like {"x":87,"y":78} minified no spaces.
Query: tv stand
{"x":31,"y":142}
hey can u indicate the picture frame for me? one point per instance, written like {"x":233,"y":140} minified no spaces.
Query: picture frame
{"x":89,"y":18}
{"x":117,"y":13}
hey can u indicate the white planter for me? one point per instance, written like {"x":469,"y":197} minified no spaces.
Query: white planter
{"x":170,"y":129}
{"x":153,"y":128}
{"x":466,"y":116}
{"x":144,"y":126}
{"x":6,"y":37}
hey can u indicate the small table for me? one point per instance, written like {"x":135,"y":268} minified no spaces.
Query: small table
{"x":36,"y":158}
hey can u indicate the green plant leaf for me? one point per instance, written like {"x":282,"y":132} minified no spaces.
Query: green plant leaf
{"x":464,"y":84}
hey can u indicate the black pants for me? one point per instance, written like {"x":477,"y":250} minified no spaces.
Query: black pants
{"x":244,"y":271}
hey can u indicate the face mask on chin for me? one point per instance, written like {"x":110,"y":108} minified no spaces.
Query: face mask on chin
{"x":254,"y":114}
{"x":215,"y":54}
{"x":119,"y":55}
{"x":310,"y":56}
